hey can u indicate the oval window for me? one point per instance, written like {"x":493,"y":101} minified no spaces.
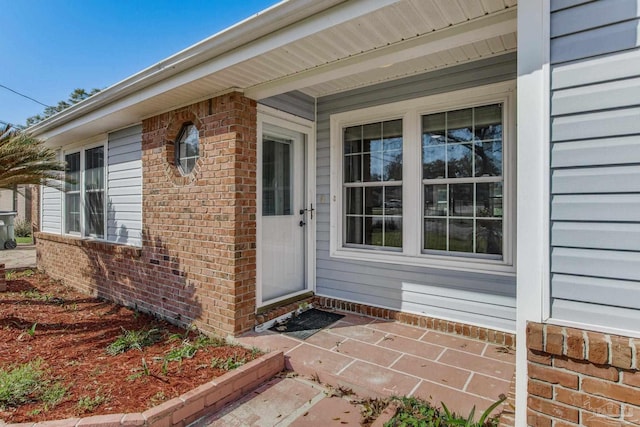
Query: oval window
{"x":187,"y":148}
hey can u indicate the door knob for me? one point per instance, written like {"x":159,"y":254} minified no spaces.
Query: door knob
{"x":302,"y":223}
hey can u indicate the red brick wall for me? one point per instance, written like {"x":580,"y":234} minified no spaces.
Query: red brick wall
{"x":3,"y":279}
{"x":35,"y":208}
{"x":578,"y":377}
{"x":476,"y":332}
{"x":197,"y":261}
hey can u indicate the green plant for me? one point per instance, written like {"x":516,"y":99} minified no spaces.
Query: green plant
{"x":415,"y":412}
{"x":469,"y":422}
{"x":128,"y":340}
{"x":231,"y":362}
{"x":158,"y":397}
{"x":188,"y":349}
{"x":37,"y":295}
{"x":22,"y":228}
{"x":371,"y":408}
{"x":255,"y":352}
{"x":90,"y":404}
{"x":26,"y":383}
{"x":31,"y":332}
{"x":143,"y":370}
{"x":19,"y":384}
{"x":53,"y":395}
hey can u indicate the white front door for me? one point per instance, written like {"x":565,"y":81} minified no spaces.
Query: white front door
{"x":283,"y":217}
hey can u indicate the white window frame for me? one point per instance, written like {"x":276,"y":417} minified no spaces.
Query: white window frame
{"x":410,"y":112}
{"x":66,"y":193}
{"x":82,"y":150}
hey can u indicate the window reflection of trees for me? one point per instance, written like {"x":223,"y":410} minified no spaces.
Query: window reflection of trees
{"x":457,"y":148}
{"x":373,"y":155}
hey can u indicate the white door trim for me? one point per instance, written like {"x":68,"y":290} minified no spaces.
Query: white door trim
{"x":308,"y":128}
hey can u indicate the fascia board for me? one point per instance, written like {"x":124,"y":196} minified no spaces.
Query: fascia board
{"x":275,"y":27}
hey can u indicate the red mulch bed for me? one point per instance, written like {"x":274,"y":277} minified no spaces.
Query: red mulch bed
{"x":71,"y":337}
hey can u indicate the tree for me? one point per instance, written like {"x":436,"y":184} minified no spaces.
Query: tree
{"x":76,"y":96}
{"x":25,"y":160}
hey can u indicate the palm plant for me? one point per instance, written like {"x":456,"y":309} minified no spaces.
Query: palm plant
{"x":25,"y":160}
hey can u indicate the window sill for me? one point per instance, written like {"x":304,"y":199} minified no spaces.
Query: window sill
{"x":110,"y":248}
{"x":473,"y":265}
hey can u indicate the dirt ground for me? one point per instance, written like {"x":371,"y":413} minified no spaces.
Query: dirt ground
{"x":71,"y":334}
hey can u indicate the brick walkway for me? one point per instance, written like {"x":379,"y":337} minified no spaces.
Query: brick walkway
{"x":375,"y":358}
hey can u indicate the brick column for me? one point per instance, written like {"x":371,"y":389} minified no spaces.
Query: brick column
{"x":35,"y":208}
{"x":199,"y":239}
{"x":3,"y":279}
{"x":579,"y":377}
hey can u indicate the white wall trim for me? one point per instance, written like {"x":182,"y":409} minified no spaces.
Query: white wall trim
{"x":410,"y":111}
{"x":532,"y":251}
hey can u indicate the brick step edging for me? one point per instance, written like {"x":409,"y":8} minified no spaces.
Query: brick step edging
{"x":190,"y":406}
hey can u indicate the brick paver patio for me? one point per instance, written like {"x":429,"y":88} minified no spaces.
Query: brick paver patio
{"x":373,"y":358}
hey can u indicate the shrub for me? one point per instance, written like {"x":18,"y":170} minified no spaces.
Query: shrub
{"x":22,"y":228}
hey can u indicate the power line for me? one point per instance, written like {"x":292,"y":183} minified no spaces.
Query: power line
{"x":24,"y":96}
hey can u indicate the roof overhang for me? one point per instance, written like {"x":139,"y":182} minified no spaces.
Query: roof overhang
{"x":316,"y":47}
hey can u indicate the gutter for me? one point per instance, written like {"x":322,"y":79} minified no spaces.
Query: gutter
{"x":270,"y":20}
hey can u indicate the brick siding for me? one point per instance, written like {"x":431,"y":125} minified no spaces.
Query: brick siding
{"x":476,"y":332}
{"x":3,"y":279}
{"x":35,"y":208}
{"x":197,"y":260}
{"x":578,"y":377}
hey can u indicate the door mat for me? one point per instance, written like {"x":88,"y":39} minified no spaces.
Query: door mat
{"x":306,"y":324}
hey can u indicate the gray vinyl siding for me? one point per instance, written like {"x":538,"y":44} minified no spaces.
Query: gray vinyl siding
{"x":51,"y":210}
{"x":124,"y":205}
{"x":595,"y":162}
{"x":295,"y":102}
{"x":471,"y":297}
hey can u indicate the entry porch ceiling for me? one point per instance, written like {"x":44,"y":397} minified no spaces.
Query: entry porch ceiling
{"x":405,"y":38}
{"x":351,"y":44}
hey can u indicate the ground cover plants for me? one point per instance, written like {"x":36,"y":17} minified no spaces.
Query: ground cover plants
{"x":415,"y":412}
{"x":64,"y":354}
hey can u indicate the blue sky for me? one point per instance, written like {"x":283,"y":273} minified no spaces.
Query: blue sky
{"x":50,"y":47}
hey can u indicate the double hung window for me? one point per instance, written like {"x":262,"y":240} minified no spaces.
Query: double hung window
{"x":462,"y":176}
{"x":373,"y":184}
{"x":85,"y":193}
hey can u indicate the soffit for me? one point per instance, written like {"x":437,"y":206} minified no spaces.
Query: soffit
{"x":315,"y":64}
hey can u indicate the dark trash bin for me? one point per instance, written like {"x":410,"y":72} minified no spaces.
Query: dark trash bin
{"x":7,"y":230}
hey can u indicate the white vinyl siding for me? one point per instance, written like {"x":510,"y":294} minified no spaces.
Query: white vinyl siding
{"x":124,"y":178}
{"x":595,"y":177}
{"x":123,"y":190}
{"x":51,"y":210}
